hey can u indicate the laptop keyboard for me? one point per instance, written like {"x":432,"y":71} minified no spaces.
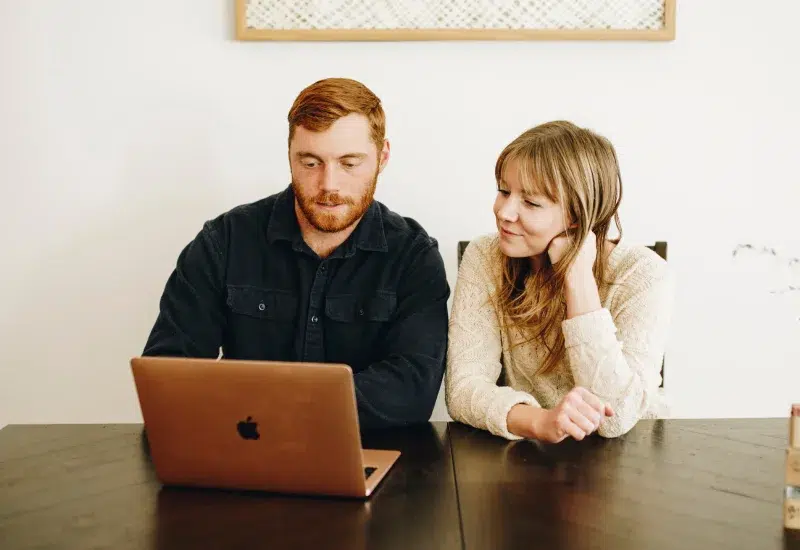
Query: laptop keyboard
{"x":368,"y":471}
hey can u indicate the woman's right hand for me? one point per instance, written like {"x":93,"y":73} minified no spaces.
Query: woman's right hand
{"x":578,"y":414}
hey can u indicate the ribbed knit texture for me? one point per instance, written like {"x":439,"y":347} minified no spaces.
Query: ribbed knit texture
{"x":615,"y":352}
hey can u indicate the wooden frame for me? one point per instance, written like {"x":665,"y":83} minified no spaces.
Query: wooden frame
{"x":666,"y":33}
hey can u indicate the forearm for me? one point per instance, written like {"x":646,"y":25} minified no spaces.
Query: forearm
{"x":402,"y":387}
{"x":618,"y":356}
{"x":581,"y":294}
{"x":474,"y":398}
{"x":398,"y":391}
{"x":595,"y":355}
{"x":598,"y":363}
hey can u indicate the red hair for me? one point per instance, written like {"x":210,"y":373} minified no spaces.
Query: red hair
{"x":321,"y":104}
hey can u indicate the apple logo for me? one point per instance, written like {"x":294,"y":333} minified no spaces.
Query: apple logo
{"x":248,"y":429}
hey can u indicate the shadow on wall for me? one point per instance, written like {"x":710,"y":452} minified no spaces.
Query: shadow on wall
{"x":87,"y":302}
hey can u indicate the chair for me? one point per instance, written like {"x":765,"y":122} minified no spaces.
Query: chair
{"x":660,"y":248}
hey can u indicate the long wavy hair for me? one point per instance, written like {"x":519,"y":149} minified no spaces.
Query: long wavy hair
{"x":578,"y":170}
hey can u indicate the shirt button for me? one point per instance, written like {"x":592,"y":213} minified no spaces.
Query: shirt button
{"x":314,"y":318}
{"x":322,"y":268}
{"x":361,"y":312}
{"x":261,"y":306}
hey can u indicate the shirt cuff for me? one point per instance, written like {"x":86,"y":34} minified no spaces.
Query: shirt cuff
{"x":596,"y":327}
{"x":497,"y":420}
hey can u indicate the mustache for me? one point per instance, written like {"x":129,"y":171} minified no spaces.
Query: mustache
{"x":332,"y":199}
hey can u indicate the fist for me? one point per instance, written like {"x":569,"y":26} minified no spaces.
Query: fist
{"x":578,"y":414}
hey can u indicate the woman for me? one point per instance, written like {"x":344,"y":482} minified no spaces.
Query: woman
{"x":574,"y":322}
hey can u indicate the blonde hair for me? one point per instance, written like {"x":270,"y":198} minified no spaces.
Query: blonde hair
{"x":577,"y":169}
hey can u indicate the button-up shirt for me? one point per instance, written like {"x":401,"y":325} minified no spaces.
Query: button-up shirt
{"x":248,"y":284}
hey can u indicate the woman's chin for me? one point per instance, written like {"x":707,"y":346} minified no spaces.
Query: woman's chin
{"x":514,"y":250}
{"x":518,"y":249}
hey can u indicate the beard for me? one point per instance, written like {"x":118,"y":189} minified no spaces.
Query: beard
{"x":349,"y":210}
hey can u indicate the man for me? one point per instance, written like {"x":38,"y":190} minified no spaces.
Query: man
{"x":320,"y":272}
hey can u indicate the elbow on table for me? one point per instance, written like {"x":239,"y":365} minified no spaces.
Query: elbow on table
{"x":652,"y":405}
{"x":614,"y":426}
{"x":456,"y":394}
{"x":418,"y":409}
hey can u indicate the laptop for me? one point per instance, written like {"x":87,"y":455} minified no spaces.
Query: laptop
{"x":270,"y":426}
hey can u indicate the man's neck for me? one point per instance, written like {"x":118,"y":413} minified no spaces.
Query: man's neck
{"x":322,"y":243}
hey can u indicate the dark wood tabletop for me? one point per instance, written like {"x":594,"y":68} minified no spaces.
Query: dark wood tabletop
{"x":666,"y":484}
{"x":92,"y":486}
{"x":676,"y":484}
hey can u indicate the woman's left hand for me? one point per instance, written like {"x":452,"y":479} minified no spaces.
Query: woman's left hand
{"x":584,"y":261}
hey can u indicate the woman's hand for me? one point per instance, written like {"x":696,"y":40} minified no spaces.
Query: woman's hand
{"x":579,"y":414}
{"x":584,"y":261}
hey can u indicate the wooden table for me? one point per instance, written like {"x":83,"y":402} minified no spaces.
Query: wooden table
{"x":92,"y":486}
{"x":666,"y":484}
{"x":677,"y":484}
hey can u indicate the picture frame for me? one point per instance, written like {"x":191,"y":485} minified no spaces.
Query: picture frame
{"x":413,"y":20}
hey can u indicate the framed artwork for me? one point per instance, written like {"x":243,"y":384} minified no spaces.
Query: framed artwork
{"x":399,"y":20}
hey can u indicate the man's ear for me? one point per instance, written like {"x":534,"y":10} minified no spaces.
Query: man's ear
{"x":383,"y":155}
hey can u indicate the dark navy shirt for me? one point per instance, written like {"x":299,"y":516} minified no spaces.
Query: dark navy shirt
{"x":250,"y":285}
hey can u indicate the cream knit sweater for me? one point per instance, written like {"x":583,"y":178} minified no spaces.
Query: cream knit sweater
{"x":615,"y":352}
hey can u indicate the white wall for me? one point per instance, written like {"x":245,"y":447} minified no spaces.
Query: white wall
{"x":123,"y":126}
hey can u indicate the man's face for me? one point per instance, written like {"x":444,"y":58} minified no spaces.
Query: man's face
{"x":335,"y":172}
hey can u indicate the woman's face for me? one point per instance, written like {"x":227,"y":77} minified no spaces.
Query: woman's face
{"x":526,"y":223}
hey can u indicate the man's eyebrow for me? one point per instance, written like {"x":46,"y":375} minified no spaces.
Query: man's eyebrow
{"x":359,"y":156}
{"x":307,"y":154}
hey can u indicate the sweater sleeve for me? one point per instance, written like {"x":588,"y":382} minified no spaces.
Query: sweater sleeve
{"x":617,"y":353}
{"x":475,"y":351}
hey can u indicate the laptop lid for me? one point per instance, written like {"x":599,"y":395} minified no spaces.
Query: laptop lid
{"x":275,"y":426}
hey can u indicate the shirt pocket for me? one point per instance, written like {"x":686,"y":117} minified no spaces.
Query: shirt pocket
{"x":379,"y":307}
{"x":262,"y":303}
